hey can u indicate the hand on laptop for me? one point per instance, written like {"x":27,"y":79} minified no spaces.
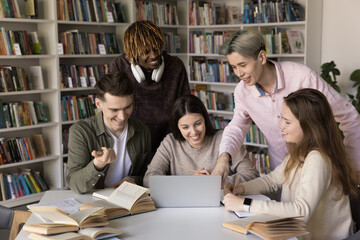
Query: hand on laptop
{"x":202,"y":171}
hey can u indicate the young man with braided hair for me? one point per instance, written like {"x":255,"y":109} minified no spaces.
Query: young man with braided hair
{"x":159,"y":78}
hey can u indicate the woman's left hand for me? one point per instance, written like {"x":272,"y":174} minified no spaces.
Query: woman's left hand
{"x":233,"y":203}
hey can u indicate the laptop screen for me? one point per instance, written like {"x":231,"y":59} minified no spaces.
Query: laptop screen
{"x":186,"y":191}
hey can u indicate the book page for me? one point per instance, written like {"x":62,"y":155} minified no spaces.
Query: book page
{"x":49,"y":228}
{"x":62,"y":236}
{"x":54,"y":214}
{"x":103,"y":193}
{"x":100,"y":233}
{"x":126,"y":195}
{"x":69,"y":205}
{"x":82,"y":215}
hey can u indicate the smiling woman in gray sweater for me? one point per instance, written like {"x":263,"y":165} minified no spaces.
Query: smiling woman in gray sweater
{"x":193,"y":146}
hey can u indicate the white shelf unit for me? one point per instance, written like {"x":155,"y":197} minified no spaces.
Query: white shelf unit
{"x":89,"y":59}
{"x":48,"y":28}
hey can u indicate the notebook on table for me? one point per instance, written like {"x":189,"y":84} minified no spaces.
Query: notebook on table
{"x":186,"y":191}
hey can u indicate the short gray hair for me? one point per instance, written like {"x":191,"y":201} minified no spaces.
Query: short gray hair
{"x":246,"y":42}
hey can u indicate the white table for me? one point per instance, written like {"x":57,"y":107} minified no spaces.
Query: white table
{"x":164,"y":223}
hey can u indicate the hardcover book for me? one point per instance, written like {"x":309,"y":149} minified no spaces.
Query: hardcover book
{"x":125,"y":200}
{"x":268,"y":226}
{"x":57,"y":221}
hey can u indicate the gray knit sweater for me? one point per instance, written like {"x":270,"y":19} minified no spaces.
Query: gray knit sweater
{"x":173,"y":153}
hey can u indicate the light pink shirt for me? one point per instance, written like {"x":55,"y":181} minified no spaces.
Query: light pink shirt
{"x":265,"y":111}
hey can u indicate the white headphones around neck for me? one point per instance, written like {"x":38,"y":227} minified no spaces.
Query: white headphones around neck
{"x":140,"y":76}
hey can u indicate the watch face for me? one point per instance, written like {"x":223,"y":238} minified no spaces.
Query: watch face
{"x":247,"y":201}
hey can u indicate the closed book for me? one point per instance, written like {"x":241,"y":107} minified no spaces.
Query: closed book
{"x":24,"y":184}
{"x":2,"y":187}
{"x":7,"y":187}
{"x":35,"y":44}
{"x":37,"y":188}
{"x":39,"y":181}
{"x":18,"y":184}
{"x":39,"y":144}
{"x":36,"y":77}
{"x":29,"y":183}
{"x":11,"y":186}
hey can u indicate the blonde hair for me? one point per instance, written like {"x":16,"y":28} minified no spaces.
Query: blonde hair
{"x":142,"y":37}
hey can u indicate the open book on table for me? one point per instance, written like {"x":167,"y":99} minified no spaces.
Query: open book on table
{"x":268,"y":227}
{"x":83,"y":234}
{"x":125,"y":200}
{"x":57,"y":221}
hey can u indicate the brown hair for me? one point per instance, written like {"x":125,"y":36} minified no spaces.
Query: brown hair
{"x":116,"y":84}
{"x":184,"y":105}
{"x":142,"y":37}
{"x":321,"y":133}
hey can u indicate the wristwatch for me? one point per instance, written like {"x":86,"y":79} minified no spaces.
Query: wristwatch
{"x":247,"y":203}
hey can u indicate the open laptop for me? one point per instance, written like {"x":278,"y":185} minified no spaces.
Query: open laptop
{"x":186,"y":191}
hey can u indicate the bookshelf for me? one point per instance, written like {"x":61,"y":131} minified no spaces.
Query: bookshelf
{"x":49,"y":26}
{"x":206,"y":33}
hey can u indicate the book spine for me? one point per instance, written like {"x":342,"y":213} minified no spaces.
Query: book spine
{"x":11,"y":186}
{"x":37,"y":188}
{"x":29,"y":183}
{"x":25,"y":186}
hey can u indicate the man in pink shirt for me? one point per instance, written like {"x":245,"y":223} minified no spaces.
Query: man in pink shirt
{"x":259,"y":99}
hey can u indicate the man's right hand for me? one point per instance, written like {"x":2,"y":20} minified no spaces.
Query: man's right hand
{"x":101,"y":159}
{"x":222,"y":167}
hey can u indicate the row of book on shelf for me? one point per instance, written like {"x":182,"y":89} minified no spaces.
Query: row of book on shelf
{"x":25,"y":113}
{"x":160,"y":13}
{"x":219,"y":122}
{"x":14,"y":78}
{"x":90,"y":11}
{"x":75,"y":42}
{"x":21,"y":149}
{"x":283,"y":42}
{"x":172,"y":42}
{"x":19,"y":9}
{"x":212,"y":70}
{"x":73,"y":76}
{"x":208,"y":42}
{"x":255,"y":135}
{"x":261,"y":160}
{"x":22,"y":183}
{"x":260,"y":11}
{"x":77,"y":107}
{"x":212,"y":100}
{"x":277,"y":42}
{"x":20,"y":42}
{"x":273,"y":11}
